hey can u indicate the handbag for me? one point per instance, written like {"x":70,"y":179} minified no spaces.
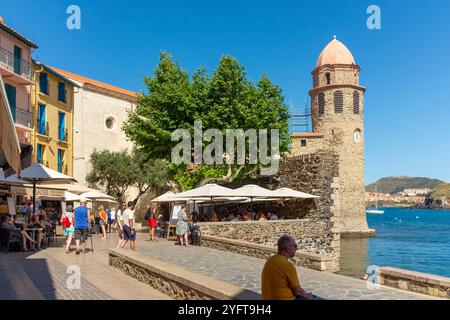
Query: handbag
{"x":65,"y":222}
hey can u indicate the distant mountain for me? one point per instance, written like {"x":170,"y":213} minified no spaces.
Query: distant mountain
{"x":394,"y":185}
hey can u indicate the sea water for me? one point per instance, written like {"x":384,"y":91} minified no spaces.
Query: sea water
{"x":417,"y":240}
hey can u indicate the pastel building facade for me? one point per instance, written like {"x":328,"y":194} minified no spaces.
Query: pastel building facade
{"x":53,"y":100}
{"x":17,"y":72}
{"x":100,"y":110}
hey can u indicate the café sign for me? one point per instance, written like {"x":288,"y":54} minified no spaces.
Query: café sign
{"x":47,"y":193}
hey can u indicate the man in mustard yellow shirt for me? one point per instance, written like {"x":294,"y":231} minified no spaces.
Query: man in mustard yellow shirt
{"x":279,"y":279}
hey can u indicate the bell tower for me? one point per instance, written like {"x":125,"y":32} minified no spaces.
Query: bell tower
{"x":337,"y":107}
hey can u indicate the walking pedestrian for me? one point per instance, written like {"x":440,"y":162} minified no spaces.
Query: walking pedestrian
{"x":182,"y":227}
{"x":129,"y":233}
{"x":103,"y":220}
{"x":119,"y":223}
{"x":82,"y":224}
{"x":67,"y":222}
{"x":108,"y":224}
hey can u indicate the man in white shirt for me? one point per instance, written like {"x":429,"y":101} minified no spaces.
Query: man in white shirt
{"x":128,"y":227}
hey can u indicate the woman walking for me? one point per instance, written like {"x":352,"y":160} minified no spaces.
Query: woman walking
{"x":69,"y":229}
{"x":182,"y":227}
{"x":153,"y":223}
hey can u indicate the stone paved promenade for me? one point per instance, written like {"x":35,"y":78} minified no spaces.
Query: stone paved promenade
{"x":245,"y":272}
{"x":42,"y":275}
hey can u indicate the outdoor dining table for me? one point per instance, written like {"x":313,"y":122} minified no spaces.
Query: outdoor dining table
{"x":33,"y":231}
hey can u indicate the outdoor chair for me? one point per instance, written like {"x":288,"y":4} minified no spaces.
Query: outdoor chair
{"x":59,"y":233}
{"x":50,"y":235}
{"x":8,"y":238}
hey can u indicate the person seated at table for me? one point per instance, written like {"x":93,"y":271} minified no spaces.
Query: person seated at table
{"x":271,"y":216}
{"x":261,"y":216}
{"x":37,"y":223}
{"x":214,"y":217}
{"x":8,"y":224}
{"x":246,"y":216}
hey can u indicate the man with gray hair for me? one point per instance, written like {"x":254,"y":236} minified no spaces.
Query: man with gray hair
{"x":279,"y":279}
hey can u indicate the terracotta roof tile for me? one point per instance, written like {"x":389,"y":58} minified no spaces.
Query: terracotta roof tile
{"x":95,"y":83}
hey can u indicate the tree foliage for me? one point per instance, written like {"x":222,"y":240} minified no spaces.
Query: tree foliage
{"x":117,"y":172}
{"x":225,"y":99}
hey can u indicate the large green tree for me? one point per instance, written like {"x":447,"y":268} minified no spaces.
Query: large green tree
{"x":225,"y":99}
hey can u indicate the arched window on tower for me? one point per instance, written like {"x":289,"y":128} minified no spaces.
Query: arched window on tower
{"x":321,"y":102}
{"x":328,"y":78}
{"x":356,"y":102}
{"x":338,"y":102}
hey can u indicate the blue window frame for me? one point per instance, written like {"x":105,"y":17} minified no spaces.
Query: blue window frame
{"x":39,"y":153}
{"x":42,"y":125}
{"x":11,"y":95}
{"x":60,"y":160}
{"x":43,"y":83}
{"x":62,"y":126}
{"x":62,"y":92}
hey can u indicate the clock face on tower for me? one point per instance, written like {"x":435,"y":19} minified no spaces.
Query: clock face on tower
{"x":357,"y":136}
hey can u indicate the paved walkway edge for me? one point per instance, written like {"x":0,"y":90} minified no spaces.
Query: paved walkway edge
{"x":174,"y":281}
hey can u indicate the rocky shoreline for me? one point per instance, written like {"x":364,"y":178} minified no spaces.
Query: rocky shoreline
{"x":433,"y":203}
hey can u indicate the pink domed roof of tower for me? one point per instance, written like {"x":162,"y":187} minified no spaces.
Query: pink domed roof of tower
{"x":335,"y":53}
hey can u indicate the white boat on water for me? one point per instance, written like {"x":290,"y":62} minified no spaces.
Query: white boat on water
{"x":375,"y":210}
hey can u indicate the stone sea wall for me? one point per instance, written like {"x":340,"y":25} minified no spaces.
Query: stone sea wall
{"x":314,"y":223}
{"x":310,"y":236}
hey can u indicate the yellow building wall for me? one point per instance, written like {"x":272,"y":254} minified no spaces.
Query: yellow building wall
{"x":51,"y":142}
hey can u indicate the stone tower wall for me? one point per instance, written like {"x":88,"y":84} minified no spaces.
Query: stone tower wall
{"x":338,"y":131}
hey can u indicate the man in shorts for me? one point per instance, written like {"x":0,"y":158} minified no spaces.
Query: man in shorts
{"x":82,"y":222}
{"x":129,"y":233}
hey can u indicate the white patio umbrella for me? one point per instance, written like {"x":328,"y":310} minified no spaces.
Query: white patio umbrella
{"x":209,"y":191}
{"x":289,"y":193}
{"x":254,"y":191}
{"x":97,"y":196}
{"x":69,"y":196}
{"x":40,"y":174}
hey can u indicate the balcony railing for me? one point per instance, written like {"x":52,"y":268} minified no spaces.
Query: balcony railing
{"x":63,"y":136}
{"x":19,"y":66}
{"x":24,"y":117}
{"x":42,"y":127}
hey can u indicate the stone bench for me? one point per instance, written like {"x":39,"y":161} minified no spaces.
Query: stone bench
{"x":176,"y":282}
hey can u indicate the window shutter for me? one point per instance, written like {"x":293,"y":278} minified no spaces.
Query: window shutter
{"x":321,"y":101}
{"x":338,"y":102}
{"x":356,"y":102}
{"x":43,"y":83}
{"x":61,"y":92}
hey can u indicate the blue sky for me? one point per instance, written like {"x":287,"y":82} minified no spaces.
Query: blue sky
{"x":405,"y":65}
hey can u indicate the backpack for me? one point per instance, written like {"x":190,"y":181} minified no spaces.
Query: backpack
{"x":147,"y":216}
{"x":65,"y":221}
